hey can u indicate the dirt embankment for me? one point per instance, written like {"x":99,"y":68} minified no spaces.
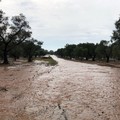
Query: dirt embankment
{"x":68,"y":91}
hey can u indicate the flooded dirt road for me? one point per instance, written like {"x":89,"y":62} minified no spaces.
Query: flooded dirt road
{"x":68,"y":91}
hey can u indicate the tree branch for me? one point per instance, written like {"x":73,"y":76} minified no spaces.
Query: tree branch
{"x":16,"y":44}
{"x":2,"y":38}
{"x":11,"y":37}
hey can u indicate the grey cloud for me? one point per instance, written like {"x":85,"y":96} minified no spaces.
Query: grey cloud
{"x":67,"y":20}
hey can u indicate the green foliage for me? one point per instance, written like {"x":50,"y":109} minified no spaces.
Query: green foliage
{"x":60,"y":52}
{"x":16,"y":52}
{"x":12,"y":33}
{"x":51,"y":52}
{"x":31,"y":48}
{"x":80,"y":51}
{"x":116,"y":33}
{"x":103,"y":50}
{"x":15,"y":39}
{"x":116,"y":51}
{"x":116,"y":40}
{"x":69,"y":50}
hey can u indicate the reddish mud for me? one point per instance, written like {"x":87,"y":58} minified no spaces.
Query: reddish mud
{"x":68,"y":91}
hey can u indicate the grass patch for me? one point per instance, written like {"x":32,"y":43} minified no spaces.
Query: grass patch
{"x":49,"y":60}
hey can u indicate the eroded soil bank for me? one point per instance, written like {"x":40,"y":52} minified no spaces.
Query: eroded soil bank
{"x":68,"y":91}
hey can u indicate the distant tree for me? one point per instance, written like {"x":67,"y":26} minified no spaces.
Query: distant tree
{"x":116,"y":33}
{"x":38,"y":49}
{"x":116,"y":40}
{"x":51,"y":52}
{"x":69,"y":50}
{"x":88,"y":50}
{"x":42,"y":52}
{"x":12,"y":33}
{"x":60,"y":52}
{"x":16,"y":52}
{"x":78,"y":52}
{"x":91,"y":49}
{"x":31,"y":47}
{"x":116,"y":51}
{"x":103,"y":50}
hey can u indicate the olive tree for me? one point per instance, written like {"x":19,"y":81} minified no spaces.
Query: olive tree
{"x":31,"y":47}
{"x":12,"y":33}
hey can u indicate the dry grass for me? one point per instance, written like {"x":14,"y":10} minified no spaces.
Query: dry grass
{"x":49,"y":60}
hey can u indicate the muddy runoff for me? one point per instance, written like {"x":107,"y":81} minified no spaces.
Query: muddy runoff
{"x":67,"y":91}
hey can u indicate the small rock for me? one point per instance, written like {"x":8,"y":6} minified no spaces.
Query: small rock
{"x":3,"y":89}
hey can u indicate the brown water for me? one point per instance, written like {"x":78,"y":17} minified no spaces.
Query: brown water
{"x":68,"y":91}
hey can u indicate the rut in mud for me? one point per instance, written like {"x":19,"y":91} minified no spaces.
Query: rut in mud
{"x":68,"y":91}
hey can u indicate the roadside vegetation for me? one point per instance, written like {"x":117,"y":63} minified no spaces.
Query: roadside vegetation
{"x":106,"y":50}
{"x":16,"y":40}
{"x":49,"y":60}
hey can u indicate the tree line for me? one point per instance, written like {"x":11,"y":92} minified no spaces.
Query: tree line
{"x":105,"y":50}
{"x":16,"y":39}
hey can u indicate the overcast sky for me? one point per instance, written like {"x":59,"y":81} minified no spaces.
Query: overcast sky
{"x":58,"y":22}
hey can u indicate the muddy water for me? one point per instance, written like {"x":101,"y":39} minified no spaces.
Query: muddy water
{"x":68,"y":91}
